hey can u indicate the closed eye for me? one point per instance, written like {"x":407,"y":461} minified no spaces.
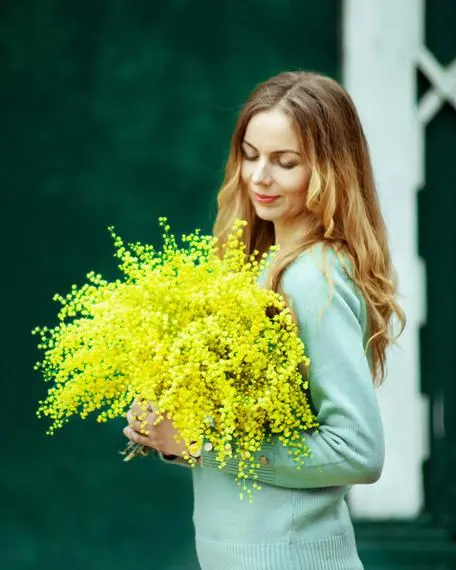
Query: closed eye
{"x":252,"y":157}
{"x":248,"y":156}
{"x":288,"y":165}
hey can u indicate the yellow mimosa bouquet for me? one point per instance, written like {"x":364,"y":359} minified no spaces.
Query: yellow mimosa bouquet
{"x":189,"y":329}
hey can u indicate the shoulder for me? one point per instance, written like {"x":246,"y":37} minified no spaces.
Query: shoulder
{"x":320,"y":266}
{"x":319,"y":275}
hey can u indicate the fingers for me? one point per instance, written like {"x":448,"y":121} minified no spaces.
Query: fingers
{"x":136,"y":437}
{"x":134,"y":419}
{"x":142,"y":406}
{"x":144,"y":428}
{"x":142,"y":422}
{"x":141,"y":417}
{"x":138,"y":409}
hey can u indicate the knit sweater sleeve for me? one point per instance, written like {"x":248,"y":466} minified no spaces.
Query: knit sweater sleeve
{"x":348,"y":447}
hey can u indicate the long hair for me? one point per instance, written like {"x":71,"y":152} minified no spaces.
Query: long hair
{"x":342,"y":207}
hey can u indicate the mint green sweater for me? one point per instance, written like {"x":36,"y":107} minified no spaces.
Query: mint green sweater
{"x":300,"y":518}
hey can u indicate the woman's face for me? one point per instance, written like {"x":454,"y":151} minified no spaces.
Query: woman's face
{"x":273,"y":168}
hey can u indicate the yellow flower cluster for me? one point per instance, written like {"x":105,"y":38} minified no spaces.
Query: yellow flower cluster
{"x":191,"y":331}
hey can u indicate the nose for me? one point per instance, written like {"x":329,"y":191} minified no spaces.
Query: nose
{"x":260,"y":174}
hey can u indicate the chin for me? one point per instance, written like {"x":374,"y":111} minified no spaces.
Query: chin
{"x":265,"y":215}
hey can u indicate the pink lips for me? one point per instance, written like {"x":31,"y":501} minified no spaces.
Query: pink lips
{"x":265,"y":199}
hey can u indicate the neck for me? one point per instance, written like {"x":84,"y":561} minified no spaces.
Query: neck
{"x":289,"y":232}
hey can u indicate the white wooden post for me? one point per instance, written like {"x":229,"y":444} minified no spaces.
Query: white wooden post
{"x":381,"y":42}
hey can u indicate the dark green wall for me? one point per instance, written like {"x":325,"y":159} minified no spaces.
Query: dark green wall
{"x":438,"y":247}
{"x":113,"y":113}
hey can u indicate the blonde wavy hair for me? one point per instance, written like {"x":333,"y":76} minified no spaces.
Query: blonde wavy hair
{"x":343,"y":210}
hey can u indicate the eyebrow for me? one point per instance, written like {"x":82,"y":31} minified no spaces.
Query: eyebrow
{"x":275,"y":151}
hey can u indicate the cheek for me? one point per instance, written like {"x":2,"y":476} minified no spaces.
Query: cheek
{"x":246,"y":171}
{"x":295,"y":184}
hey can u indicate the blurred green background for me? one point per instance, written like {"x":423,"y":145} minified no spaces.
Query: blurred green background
{"x":113,"y":113}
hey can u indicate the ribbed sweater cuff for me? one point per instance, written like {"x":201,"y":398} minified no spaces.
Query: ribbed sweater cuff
{"x":264,"y":463}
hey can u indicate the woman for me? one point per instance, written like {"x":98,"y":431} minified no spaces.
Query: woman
{"x":299,"y":172}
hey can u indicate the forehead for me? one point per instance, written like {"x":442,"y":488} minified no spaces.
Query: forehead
{"x":272,"y":130}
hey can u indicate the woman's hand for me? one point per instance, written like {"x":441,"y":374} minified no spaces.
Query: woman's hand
{"x":161,"y":437}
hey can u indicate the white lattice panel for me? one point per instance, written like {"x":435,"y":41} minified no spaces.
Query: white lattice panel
{"x":443,"y":85}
